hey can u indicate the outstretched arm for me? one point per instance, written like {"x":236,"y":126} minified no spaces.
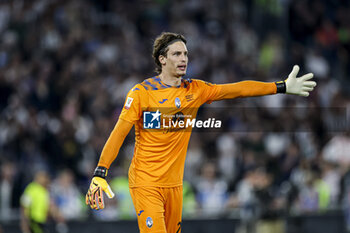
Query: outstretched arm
{"x":292,"y":85}
{"x":94,"y":196}
{"x":245,"y":89}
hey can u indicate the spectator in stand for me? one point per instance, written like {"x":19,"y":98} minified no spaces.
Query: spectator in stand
{"x":67,"y":197}
{"x":314,"y":196}
{"x":190,"y":205}
{"x":245,"y":199}
{"x":345,"y":195}
{"x":36,"y":205}
{"x":337,"y":149}
{"x":211,"y":191}
{"x":331,"y":176}
{"x":66,"y":66}
{"x":8,"y":199}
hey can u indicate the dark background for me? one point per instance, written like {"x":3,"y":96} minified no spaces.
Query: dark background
{"x":66,"y":67}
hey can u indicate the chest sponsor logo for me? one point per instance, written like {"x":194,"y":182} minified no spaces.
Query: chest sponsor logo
{"x":175,"y":122}
{"x":151,"y":120}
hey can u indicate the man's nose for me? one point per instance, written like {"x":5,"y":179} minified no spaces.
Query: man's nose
{"x":183,"y":57}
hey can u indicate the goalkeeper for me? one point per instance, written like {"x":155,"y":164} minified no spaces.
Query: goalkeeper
{"x":156,"y":170}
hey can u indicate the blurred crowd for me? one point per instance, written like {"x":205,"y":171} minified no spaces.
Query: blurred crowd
{"x":66,"y":67}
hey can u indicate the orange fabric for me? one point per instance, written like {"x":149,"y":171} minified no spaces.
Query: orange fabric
{"x":163,"y":206}
{"x":246,"y":89}
{"x":114,"y":142}
{"x":159,"y":155}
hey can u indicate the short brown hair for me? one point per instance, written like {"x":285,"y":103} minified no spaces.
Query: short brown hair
{"x":160,"y":46}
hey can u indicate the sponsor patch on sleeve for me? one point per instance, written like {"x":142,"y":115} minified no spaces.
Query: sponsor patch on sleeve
{"x":128,"y":102}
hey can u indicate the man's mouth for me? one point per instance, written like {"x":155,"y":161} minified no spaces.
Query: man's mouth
{"x":182,"y":67}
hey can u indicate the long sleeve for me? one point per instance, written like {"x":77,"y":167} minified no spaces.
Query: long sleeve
{"x":114,"y":142}
{"x":244,"y":89}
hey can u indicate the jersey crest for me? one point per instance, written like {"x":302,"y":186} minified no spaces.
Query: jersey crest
{"x":177,"y":102}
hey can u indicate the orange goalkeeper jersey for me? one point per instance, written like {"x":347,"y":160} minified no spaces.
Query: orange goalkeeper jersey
{"x":159,"y":154}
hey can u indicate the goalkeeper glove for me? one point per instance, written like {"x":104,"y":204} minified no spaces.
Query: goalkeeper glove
{"x":94,"y":196}
{"x":296,"y":86}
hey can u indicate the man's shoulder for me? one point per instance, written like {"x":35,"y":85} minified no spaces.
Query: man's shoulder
{"x":149,"y":84}
{"x":142,"y":86}
{"x":152,"y":84}
{"x":196,"y":81}
{"x":199,"y":82}
{"x":33,"y":188}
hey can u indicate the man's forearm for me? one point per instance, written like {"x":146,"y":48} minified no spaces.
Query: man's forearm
{"x":246,"y":89}
{"x":98,"y":185}
{"x":294,"y":85}
{"x":114,"y":142}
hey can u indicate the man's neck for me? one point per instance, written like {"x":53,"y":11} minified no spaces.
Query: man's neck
{"x":170,"y":80}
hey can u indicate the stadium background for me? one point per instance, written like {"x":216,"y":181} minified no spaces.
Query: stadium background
{"x":66,"y":67}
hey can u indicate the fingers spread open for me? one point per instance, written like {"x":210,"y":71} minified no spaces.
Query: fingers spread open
{"x":307,"y":88}
{"x":310,"y":83}
{"x":307,"y":76}
{"x":294,"y":71}
{"x":304,"y":93}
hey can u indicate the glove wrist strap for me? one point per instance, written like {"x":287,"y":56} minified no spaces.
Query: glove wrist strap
{"x":281,"y":86}
{"x":101,"y":172}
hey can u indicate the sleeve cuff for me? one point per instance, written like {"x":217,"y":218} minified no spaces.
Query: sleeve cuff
{"x":281,"y":86}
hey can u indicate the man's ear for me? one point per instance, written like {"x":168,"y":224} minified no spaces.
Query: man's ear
{"x":162,"y":59}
